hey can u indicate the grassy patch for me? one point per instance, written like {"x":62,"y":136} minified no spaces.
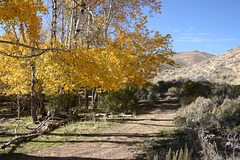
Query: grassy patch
{"x":73,"y":132}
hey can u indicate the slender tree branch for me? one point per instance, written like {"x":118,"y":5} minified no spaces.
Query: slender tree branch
{"x":36,"y":55}
{"x":35,"y":48}
{"x":43,"y":50}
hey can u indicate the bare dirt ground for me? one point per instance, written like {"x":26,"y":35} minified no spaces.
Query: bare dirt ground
{"x":124,"y":141}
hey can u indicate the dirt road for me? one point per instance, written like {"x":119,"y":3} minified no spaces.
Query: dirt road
{"x":125,"y":141}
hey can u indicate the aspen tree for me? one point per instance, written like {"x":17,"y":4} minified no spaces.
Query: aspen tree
{"x":91,"y":43}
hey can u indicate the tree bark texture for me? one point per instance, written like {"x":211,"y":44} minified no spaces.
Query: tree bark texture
{"x":59,"y":102}
{"x":94,"y":98}
{"x":33,"y":93}
{"x":86,"y":97}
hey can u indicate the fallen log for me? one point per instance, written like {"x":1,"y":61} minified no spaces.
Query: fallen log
{"x":20,"y":139}
{"x":33,"y":134}
{"x":53,"y":126}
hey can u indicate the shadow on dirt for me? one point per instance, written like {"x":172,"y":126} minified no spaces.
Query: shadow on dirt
{"x":165,"y":104}
{"x":19,"y":156}
{"x":145,"y":107}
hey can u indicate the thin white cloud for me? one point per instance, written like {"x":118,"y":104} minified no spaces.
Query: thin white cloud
{"x":204,"y":34}
{"x":217,"y":46}
{"x":187,"y":34}
{"x":175,"y":30}
{"x":223,"y":39}
{"x":192,"y":35}
{"x":201,"y":39}
{"x":189,"y":39}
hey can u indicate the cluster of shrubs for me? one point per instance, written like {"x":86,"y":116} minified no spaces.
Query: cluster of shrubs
{"x":208,"y":122}
{"x":210,"y":113}
{"x":126,"y":100}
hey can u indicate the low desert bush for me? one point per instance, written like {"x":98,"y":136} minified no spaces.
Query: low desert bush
{"x":227,"y":114}
{"x":198,"y":113}
{"x":221,"y":91}
{"x":211,"y":120}
{"x":209,"y":146}
{"x":204,"y":113}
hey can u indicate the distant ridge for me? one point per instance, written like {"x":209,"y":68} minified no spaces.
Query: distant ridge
{"x":224,"y":68}
{"x":190,"y":57}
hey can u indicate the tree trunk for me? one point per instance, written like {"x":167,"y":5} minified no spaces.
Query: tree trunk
{"x":71,"y":25}
{"x":63,"y":23}
{"x":18,"y":106}
{"x":43,"y":111}
{"x":33,"y":93}
{"x":94,"y":98}
{"x":67,"y":108}
{"x":59,"y":102}
{"x":85,"y":98}
{"x":79,"y":101}
{"x":54,"y":21}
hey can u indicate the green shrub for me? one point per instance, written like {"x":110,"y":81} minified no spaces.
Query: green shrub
{"x":154,"y":92}
{"x":191,"y":90}
{"x":164,"y":86}
{"x":121,"y":101}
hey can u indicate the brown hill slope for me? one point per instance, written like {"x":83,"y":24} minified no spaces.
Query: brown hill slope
{"x":190,"y":57}
{"x":224,"y":68}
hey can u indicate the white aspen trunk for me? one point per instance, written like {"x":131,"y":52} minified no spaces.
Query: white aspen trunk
{"x":105,"y":24}
{"x":63,"y":23}
{"x":18,"y":105}
{"x":54,"y":21}
{"x":88,"y":30}
{"x":67,"y":31}
{"x":77,"y":29}
{"x":71,"y":26}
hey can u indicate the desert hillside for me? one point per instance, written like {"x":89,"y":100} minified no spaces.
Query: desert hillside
{"x":220,"y":69}
{"x":190,"y":57}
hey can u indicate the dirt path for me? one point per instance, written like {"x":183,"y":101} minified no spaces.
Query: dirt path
{"x":121,"y":142}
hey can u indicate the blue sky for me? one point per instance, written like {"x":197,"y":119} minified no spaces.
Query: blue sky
{"x":211,"y":26}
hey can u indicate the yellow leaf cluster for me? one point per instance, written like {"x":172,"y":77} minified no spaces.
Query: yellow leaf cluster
{"x":14,"y":74}
{"x":24,"y":15}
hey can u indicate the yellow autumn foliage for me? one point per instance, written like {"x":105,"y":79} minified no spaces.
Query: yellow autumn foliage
{"x":129,"y":56}
{"x":23,"y":14}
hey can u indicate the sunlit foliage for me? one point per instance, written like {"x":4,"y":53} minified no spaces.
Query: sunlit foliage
{"x":92,"y":43}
